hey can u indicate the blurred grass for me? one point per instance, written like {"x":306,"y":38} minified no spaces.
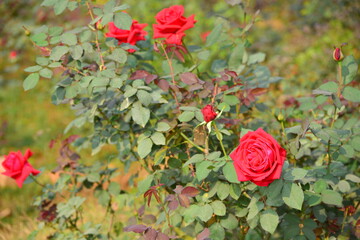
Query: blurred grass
{"x":297,"y":36}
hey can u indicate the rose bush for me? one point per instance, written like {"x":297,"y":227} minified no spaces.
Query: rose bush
{"x":259,"y":158}
{"x":181,"y":181}
{"x":17,"y":166}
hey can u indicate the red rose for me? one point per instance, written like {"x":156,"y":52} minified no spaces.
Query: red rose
{"x":209,"y":113}
{"x":258,"y":158}
{"x":132,"y":36}
{"x":171,"y":24}
{"x":18,"y":167}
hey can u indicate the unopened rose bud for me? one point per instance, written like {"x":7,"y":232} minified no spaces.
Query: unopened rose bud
{"x":98,"y":25}
{"x":209,"y":113}
{"x":338,"y":55}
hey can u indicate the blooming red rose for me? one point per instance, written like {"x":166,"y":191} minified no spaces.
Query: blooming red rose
{"x":171,"y":24}
{"x":209,"y":113}
{"x":258,"y":158}
{"x":132,"y":36}
{"x":17,"y":166}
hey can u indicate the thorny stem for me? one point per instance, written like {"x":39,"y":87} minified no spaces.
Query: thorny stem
{"x":192,"y":143}
{"x":171,"y":73}
{"x":329,"y":156}
{"x":206,"y":143}
{"x":96,"y":38}
{"x":340,"y":79}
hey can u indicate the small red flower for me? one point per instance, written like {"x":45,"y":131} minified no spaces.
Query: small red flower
{"x":204,"y":35}
{"x":171,"y":24}
{"x":209,"y":113}
{"x":132,"y":36}
{"x":18,"y":167}
{"x":13,"y":55}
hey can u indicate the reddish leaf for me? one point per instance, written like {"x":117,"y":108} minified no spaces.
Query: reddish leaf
{"x":195,"y":87}
{"x":162,"y":236}
{"x":51,"y":143}
{"x":203,"y":235}
{"x":150,"y":234}
{"x":184,"y":200}
{"x":258,"y":91}
{"x":189,"y":78}
{"x":135,"y":228}
{"x":142,"y":74}
{"x":141,"y":210}
{"x":190,"y":191}
{"x":173,"y":205}
{"x":230,"y":73}
{"x":178,"y":189}
{"x":163,"y":84}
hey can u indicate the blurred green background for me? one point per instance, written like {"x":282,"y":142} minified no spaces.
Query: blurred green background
{"x":297,"y":37}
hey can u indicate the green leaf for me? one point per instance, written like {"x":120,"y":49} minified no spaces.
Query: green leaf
{"x":347,"y":151}
{"x":236,"y":57}
{"x":269,"y":220}
{"x":31,"y":81}
{"x":349,"y":69}
{"x":40,"y":39}
{"x":43,"y":61}
{"x":57,"y":52}
{"x":355,"y":143}
{"x":144,"y":147}
{"x":48,"y":3}
{"x":140,"y":114}
{"x":122,"y":20}
{"x":230,"y":222}
{"x":46,"y":73}
{"x":214,"y":36}
{"x":329,"y":87}
{"x":144,"y":97}
{"x":344,"y":186}
{"x":230,"y":173}
{"x":217,"y":232}
{"x":235,"y":191}
{"x":353,"y":178}
{"x":351,"y":94}
{"x":206,"y":213}
{"x":69,"y":39}
{"x":293,"y":195}
{"x":223,"y":190}
{"x":256,"y":58}
{"x":114,"y":188}
{"x":108,"y":7}
{"x":202,"y":170}
{"x":186,"y":116}
{"x":331,"y":197}
{"x":158,"y":138}
{"x":162,"y":127}
{"x":76,"y":52}
{"x":254,"y":208}
{"x":33,"y":68}
{"x":103,"y":197}
{"x":55,"y":31}
{"x":60,"y":6}
{"x":159,"y":156}
{"x":218,"y":207}
{"x":119,"y":55}
{"x":195,"y":159}
{"x":295,"y":174}
{"x":145,"y":184}
{"x":93,"y":177}
{"x":320,"y":185}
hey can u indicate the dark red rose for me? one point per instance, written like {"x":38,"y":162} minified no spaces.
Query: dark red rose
{"x":132,"y":36}
{"x":258,"y":158}
{"x":338,"y":55}
{"x":171,"y":24}
{"x":18,"y":167}
{"x":209,"y":113}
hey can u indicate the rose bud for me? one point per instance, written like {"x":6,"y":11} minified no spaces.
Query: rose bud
{"x":259,"y":158}
{"x":209,"y":113}
{"x":17,"y":166}
{"x":338,"y":55}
